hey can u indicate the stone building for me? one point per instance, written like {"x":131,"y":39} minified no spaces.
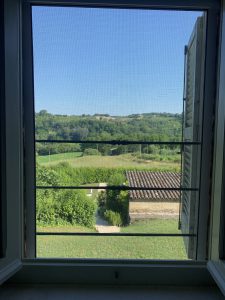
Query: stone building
{"x":144,"y":204}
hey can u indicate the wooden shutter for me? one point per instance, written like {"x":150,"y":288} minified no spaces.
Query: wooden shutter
{"x":191,"y":132}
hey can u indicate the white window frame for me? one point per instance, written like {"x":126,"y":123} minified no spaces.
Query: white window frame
{"x":13,"y":171}
{"x":95,"y":271}
{"x":207,"y":114}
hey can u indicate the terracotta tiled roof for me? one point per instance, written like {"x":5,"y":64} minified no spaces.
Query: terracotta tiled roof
{"x":153,"y":180}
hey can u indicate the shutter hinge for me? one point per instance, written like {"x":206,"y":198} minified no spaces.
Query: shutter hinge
{"x":185,"y":50}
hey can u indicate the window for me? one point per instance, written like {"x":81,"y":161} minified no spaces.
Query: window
{"x":113,"y":130}
{"x":14,"y":134}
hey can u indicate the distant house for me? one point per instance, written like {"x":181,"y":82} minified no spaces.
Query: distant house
{"x":145,"y":204}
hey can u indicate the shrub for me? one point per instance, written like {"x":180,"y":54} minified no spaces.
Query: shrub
{"x":60,"y":207}
{"x":45,"y":208}
{"x":46,"y":199}
{"x":101,"y":199}
{"x":116,"y":179}
{"x":114,"y":218}
{"x":118,"y":201}
{"x":46,"y":176}
{"x":82,"y":175}
{"x":113,"y":204}
{"x":76,"y":208}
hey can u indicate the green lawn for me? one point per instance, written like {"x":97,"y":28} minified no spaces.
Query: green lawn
{"x":65,"y":228}
{"x":153,"y":226}
{"x":114,"y":247}
{"x":58,"y":157}
{"x":117,"y":161}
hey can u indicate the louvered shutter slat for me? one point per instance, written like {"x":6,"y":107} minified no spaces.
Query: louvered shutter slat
{"x":190,"y":129}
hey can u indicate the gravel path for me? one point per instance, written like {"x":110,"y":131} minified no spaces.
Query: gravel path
{"x":102,"y":226}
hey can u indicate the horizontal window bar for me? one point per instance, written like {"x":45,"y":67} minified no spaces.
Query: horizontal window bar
{"x":131,"y":4}
{"x":121,"y":188}
{"x":118,"y":142}
{"x":116,"y":234}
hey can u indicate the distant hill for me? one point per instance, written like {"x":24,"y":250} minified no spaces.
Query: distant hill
{"x":136,"y":127}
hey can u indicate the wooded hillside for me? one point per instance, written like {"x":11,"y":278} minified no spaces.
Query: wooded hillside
{"x":143,"y":127}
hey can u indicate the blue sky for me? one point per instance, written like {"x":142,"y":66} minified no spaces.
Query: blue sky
{"x":115,"y":61}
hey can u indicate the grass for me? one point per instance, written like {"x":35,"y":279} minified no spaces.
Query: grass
{"x":114,"y":247}
{"x":65,"y":228}
{"x":117,"y":161}
{"x":111,"y":247}
{"x":153,"y":226}
{"x":58,"y":157}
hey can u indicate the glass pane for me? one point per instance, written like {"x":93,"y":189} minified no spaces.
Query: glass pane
{"x":116,"y":75}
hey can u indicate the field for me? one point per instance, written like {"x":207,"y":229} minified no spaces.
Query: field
{"x":117,"y":161}
{"x":114,"y":247}
{"x":58,"y":157}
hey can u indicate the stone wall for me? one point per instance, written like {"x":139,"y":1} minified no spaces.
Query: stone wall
{"x":153,"y":210}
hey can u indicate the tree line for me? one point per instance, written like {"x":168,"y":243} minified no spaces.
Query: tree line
{"x":103,"y":127}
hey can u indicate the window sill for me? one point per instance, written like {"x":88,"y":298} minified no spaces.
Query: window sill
{"x":179,"y":273}
{"x":217,"y":270}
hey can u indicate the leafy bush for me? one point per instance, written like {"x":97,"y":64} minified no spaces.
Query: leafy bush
{"x":46,"y":176}
{"x":116,"y":179}
{"x":101,"y":199}
{"x":114,"y":218}
{"x":46,"y":208}
{"x":91,"y":151}
{"x":60,"y":207}
{"x":83,"y":175}
{"x":115,"y":201}
{"x":118,"y":201}
{"x":45,"y":199}
{"x":71,"y":207}
{"x":77,"y":208}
